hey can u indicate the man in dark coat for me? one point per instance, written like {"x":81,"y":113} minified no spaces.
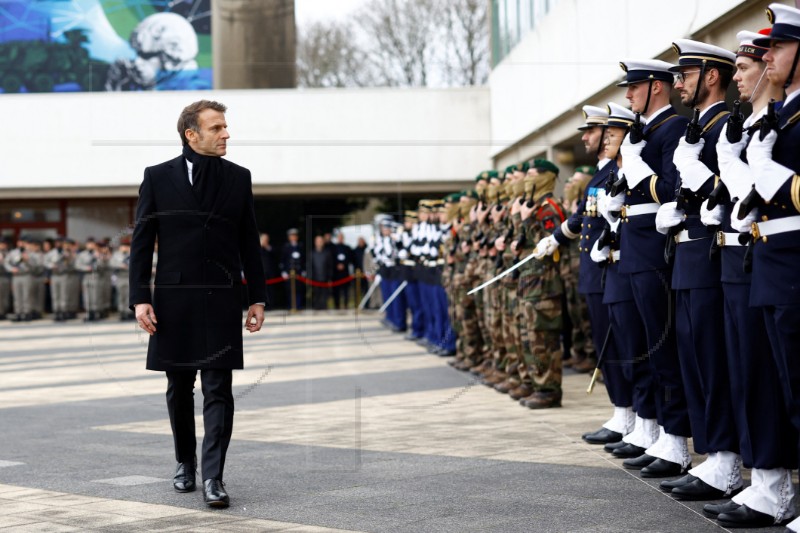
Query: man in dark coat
{"x":342,"y":260}
{"x":293,"y":259}
{"x":200,"y":208}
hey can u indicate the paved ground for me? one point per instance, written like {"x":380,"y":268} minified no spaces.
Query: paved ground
{"x":340,"y":425}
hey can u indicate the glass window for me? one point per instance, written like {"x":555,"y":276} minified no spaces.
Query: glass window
{"x":30,"y":213}
{"x":512,"y":20}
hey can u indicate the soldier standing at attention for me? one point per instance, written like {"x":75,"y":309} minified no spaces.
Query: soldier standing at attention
{"x":652,"y":179}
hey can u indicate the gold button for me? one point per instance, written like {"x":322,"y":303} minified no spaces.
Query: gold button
{"x":764,"y":238}
{"x":590,"y":225}
{"x":764,"y":218}
{"x":766,"y":202}
{"x":783,"y":206}
{"x":628,"y":193}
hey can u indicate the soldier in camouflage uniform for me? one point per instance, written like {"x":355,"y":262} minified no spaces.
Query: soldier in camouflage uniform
{"x":470,"y":340}
{"x":494,"y":296}
{"x":540,"y":293}
{"x":60,"y":262}
{"x":5,"y":280}
{"x":583,"y":354}
{"x":511,"y":332}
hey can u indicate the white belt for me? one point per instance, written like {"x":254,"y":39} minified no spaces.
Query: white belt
{"x":408,"y":263}
{"x":640,"y":209}
{"x":773,"y":227}
{"x":727,"y":239}
{"x":613,"y":256}
{"x":683,"y":236}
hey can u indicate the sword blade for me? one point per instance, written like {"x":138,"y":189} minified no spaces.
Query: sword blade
{"x":501,"y":275}
{"x":394,"y":295}
{"x":371,"y":289}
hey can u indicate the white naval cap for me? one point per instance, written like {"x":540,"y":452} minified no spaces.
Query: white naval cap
{"x":785,"y":22}
{"x":696,"y":54}
{"x":639,"y":70}
{"x":746,"y":46}
{"x":593,"y":116}
{"x":619,"y":117}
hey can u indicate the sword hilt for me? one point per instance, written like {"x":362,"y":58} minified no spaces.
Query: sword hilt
{"x":595,"y":374}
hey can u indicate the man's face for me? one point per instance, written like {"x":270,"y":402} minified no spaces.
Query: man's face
{"x":687,"y":87}
{"x":293,"y":238}
{"x":319,"y":242}
{"x":212,"y":137}
{"x":340,"y":238}
{"x":591,"y":138}
{"x":637,"y":96}
{"x":748,"y":72}
{"x":612,"y":141}
{"x":423,"y":216}
{"x":264,"y":240}
{"x":779,"y":61}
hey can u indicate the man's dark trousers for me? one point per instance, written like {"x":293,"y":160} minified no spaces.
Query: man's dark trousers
{"x":217,"y":417}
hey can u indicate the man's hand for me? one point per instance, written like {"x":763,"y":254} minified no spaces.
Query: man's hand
{"x":255,"y":317}
{"x":146,"y":317}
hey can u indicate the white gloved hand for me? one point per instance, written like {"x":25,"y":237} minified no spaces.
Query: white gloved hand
{"x":629,"y":150}
{"x":402,"y":254}
{"x":668,"y":216}
{"x":598,"y":255}
{"x":714,"y":216}
{"x":769,"y":174}
{"x":635,"y":171}
{"x":687,"y":160}
{"x":546,"y":246}
{"x":608,"y":205}
{"x":737,"y":177}
{"x":742,"y":226}
{"x":727,"y":151}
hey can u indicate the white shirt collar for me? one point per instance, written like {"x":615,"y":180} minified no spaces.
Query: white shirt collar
{"x":656,"y":113}
{"x":603,"y":162}
{"x":705,"y":111}
{"x":189,"y":166}
{"x":792,"y":96}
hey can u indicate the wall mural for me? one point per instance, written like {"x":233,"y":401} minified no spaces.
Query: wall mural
{"x":104,"y":45}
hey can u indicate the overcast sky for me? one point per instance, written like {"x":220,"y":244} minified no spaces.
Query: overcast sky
{"x":311,"y":10}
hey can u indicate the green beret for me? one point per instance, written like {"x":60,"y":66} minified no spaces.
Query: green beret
{"x":453,"y":198}
{"x":511,"y":169}
{"x":586,"y":169}
{"x":471,"y":193}
{"x":486,"y":175}
{"x":544,"y":164}
{"x":524,"y":166}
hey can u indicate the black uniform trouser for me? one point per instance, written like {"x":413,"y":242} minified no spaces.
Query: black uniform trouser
{"x":217,"y":417}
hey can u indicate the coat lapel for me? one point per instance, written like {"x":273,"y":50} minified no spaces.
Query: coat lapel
{"x":180,"y":179}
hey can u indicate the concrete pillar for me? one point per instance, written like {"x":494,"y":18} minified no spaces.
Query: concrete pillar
{"x":254,"y":43}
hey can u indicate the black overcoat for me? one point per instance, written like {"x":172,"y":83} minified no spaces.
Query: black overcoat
{"x":197,"y":298}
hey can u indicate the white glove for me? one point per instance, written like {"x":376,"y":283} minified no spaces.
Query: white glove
{"x":604,"y":205}
{"x":668,"y":215}
{"x":742,"y":226}
{"x":726,"y":152}
{"x":737,"y":177}
{"x":635,"y":170}
{"x":546,"y":246}
{"x":402,"y":255}
{"x":687,"y":160}
{"x":769,"y":174}
{"x":713,"y":217}
{"x":599,"y":255}
{"x":629,"y":150}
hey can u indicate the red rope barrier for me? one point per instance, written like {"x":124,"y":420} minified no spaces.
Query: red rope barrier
{"x":326,"y":284}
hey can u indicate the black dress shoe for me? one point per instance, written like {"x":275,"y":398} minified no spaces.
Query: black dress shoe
{"x":743,"y":517}
{"x":670,"y":484}
{"x":602,"y":436}
{"x":712,"y":510}
{"x":662,"y":468}
{"x":214,"y":493}
{"x":699,"y":490}
{"x":184,"y":477}
{"x":611,"y":446}
{"x":637,"y":463}
{"x":628,"y":451}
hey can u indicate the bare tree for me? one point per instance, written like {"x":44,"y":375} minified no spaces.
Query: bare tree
{"x":328,"y":56}
{"x":466,"y":24}
{"x":399,"y":43}
{"x":401,"y":38}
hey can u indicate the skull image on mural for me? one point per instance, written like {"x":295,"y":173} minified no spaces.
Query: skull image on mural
{"x":165,"y":45}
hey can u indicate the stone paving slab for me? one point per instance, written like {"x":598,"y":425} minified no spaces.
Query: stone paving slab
{"x":340,"y":426}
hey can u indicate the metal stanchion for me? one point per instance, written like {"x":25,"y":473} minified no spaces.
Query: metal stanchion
{"x":293,"y":290}
{"x":357,"y":295}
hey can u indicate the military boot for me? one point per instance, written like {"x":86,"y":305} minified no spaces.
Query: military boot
{"x":542,"y":400}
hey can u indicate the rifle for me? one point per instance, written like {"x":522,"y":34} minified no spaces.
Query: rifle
{"x":614,"y":186}
{"x":637,"y":130}
{"x":693,"y":130}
